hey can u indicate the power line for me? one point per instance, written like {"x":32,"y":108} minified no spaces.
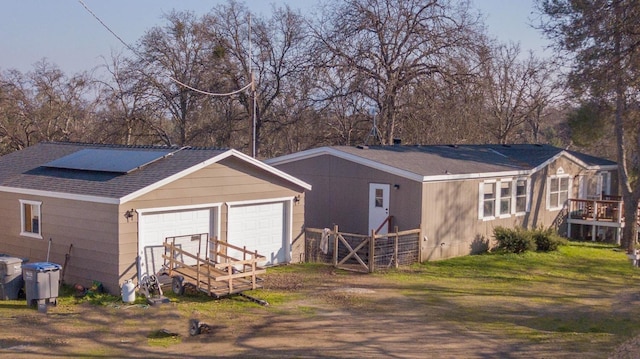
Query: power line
{"x":107,"y":27}
{"x":210,"y":93}
{"x":171,"y":78}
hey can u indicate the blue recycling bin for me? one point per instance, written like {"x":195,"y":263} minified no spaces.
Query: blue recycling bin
{"x":41,"y":282}
{"x":10,"y":277}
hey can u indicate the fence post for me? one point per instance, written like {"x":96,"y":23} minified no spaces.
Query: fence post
{"x":372,"y":251}
{"x":335,"y":245}
{"x":216,"y":248}
{"x":420,"y":234}
{"x":395,"y":249}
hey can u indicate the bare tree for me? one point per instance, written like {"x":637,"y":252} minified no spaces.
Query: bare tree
{"x":273,"y":55}
{"x":545,"y":93}
{"x":510,"y":82}
{"x":390,"y":46}
{"x":449,"y":109}
{"x":125,"y":107}
{"x":43,"y":105}
{"x":174,"y":55}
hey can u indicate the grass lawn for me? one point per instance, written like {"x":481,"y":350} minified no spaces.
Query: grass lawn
{"x":584,"y":295}
{"x":582,"y":298}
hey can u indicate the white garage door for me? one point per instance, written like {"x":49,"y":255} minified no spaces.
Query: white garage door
{"x":262,"y":228}
{"x":155,"y":227}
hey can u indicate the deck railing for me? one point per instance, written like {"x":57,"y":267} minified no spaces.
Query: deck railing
{"x":596,"y":210}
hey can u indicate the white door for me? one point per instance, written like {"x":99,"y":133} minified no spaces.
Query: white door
{"x":378,"y":207}
{"x":156,"y":226}
{"x":260,"y":227}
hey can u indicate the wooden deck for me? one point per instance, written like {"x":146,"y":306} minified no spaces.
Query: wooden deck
{"x":596,"y":210}
{"x":216,"y":274}
{"x":597,"y":213}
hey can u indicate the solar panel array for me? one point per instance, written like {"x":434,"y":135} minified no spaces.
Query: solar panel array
{"x":108,"y":160}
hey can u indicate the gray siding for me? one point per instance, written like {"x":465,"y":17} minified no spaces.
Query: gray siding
{"x":340,"y":194}
{"x":446,"y":211}
{"x":451,"y":223}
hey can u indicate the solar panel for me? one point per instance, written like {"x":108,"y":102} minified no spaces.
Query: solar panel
{"x":108,"y":160}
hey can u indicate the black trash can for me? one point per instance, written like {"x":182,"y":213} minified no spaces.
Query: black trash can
{"x":10,"y":277}
{"x":41,"y":282}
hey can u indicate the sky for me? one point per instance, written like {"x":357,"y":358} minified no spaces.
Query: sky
{"x":67,"y":35}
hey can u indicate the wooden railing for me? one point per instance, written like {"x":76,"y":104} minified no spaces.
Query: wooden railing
{"x":386,"y":221}
{"x":208,"y":272}
{"x":596,"y":210}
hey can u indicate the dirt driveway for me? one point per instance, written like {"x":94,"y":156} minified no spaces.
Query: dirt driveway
{"x":337,"y":315}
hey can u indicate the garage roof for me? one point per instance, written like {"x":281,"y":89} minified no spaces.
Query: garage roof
{"x":31,"y":171}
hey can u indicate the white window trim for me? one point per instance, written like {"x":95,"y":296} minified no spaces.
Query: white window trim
{"x":527,"y":205}
{"x":22,"y":219}
{"x":557,"y":207}
{"x":481,"y":214}
{"x":496,"y":207}
{"x":499,"y":198}
{"x":605,"y":182}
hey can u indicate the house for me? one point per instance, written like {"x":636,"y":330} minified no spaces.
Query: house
{"x":455,"y":194}
{"x":111,"y":207}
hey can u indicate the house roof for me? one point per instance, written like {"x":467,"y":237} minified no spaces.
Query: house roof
{"x":445,"y":162}
{"x":33,"y":170}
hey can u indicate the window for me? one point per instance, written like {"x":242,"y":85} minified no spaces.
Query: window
{"x":30,"y":218}
{"x":557,"y":191}
{"x":521,"y":196}
{"x":503,"y":198}
{"x":594,"y":185}
{"x":379,"y":200}
{"x":606,"y":183}
{"x":489,"y":199}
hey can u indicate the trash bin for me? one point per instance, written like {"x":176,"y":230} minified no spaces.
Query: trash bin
{"x":10,"y":277}
{"x":41,"y":282}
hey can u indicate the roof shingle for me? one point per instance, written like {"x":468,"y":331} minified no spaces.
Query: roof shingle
{"x":24,"y":169}
{"x":437,"y":160}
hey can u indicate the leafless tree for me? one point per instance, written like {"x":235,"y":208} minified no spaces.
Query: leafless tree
{"x":124,"y":110}
{"x":43,"y":105}
{"x":510,"y":83}
{"x":390,"y":46}
{"x":273,"y":55}
{"x":173,"y":55}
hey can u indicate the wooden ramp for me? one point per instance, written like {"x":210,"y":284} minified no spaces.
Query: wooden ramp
{"x":215,"y":273}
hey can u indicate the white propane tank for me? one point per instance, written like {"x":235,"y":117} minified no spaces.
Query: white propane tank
{"x":128,"y":292}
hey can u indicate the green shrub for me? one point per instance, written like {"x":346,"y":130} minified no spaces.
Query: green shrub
{"x":547,"y":240}
{"x":517,"y":240}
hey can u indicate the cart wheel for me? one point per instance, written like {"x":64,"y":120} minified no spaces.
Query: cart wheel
{"x":177,"y":286}
{"x":194,"y":327}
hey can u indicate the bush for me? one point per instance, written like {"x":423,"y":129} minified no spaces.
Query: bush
{"x":547,"y":240}
{"x":516,"y":240}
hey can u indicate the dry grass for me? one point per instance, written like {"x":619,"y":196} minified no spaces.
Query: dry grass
{"x":579,"y":302}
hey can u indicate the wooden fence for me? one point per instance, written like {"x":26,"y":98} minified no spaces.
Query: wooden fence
{"x":360,"y":252}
